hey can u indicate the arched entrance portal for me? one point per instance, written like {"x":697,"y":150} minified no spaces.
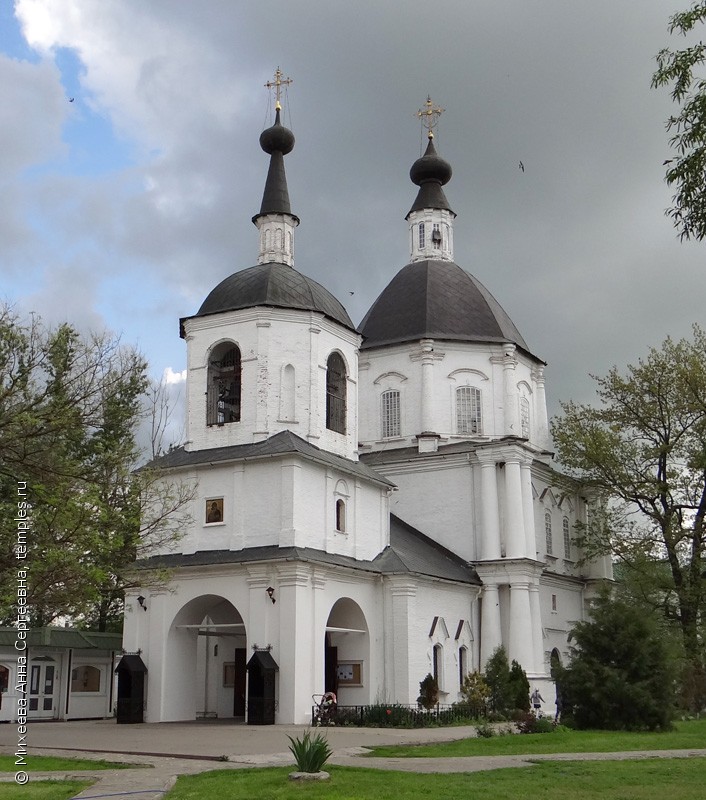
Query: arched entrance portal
{"x":347,"y":653}
{"x":204,"y":671}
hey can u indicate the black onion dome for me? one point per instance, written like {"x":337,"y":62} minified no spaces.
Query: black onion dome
{"x":430,"y":167}
{"x":277,"y":141}
{"x":436,"y":300}
{"x":277,"y":138}
{"x":430,"y":173}
{"x":275,"y":285}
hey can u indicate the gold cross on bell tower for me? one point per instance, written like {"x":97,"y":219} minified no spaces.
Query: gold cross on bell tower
{"x":430,"y":116}
{"x":277,"y":85}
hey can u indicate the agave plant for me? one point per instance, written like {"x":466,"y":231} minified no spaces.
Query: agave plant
{"x":310,"y":754}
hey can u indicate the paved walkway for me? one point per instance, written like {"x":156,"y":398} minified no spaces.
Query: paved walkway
{"x":167,"y":750}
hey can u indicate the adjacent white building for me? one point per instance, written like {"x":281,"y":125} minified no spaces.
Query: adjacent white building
{"x":373,"y":504}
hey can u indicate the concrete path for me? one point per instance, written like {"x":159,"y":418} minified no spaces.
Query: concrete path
{"x":167,"y":750}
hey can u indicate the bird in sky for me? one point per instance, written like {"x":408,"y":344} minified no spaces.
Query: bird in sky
{"x":522,"y":166}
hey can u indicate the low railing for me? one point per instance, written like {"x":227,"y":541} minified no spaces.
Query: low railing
{"x":397,"y":716}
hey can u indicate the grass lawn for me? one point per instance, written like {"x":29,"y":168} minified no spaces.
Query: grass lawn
{"x":654,"y":779}
{"x":690,"y":734}
{"x":42,"y":790}
{"x":55,"y":763}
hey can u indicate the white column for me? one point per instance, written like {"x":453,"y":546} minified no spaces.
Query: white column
{"x":515,"y":543}
{"x":427,"y":399}
{"x":540,"y":410}
{"x":512,"y":421}
{"x":403,"y":601}
{"x":528,"y":510}
{"x":317,"y":376}
{"x":263,"y":381}
{"x":490,"y":634}
{"x":490,"y":514}
{"x":296,"y":667}
{"x":537,"y":635}
{"x":521,"y":646}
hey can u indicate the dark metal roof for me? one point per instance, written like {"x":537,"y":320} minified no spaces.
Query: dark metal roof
{"x":263,"y":659}
{"x":409,"y":552}
{"x":281,"y":444}
{"x":437,"y":300}
{"x":64,"y":638}
{"x":275,"y":285}
{"x":131,"y":663}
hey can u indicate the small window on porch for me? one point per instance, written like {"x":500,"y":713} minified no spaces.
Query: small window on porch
{"x":85,"y":679}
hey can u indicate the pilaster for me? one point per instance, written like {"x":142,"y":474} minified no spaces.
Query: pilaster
{"x":521,"y":646}
{"x":490,"y":635}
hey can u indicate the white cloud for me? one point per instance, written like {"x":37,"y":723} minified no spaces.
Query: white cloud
{"x":172,"y":377}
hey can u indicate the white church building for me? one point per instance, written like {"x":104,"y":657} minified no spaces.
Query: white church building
{"x":373,"y":503}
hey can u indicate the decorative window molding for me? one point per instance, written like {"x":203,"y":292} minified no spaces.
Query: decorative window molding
{"x":469,"y":411}
{"x":390,"y":413}
{"x":525,"y":417}
{"x":548,"y":533}
{"x":468,"y":371}
{"x":223,"y":388}
{"x":336,"y":376}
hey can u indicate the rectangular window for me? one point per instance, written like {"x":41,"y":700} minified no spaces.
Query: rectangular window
{"x":567,"y":539}
{"x":390,"y":414}
{"x":421,"y":236}
{"x":468,"y":410}
{"x":554,"y":603}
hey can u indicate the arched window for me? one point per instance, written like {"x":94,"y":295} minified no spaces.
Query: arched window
{"x":340,"y":516}
{"x":223,"y":392}
{"x":469,"y":417}
{"x":437,"y":663}
{"x":336,"y":393}
{"x":525,"y":417}
{"x":422,"y":236}
{"x":436,"y":236}
{"x":462,"y":664}
{"x":548,"y":532}
{"x":85,"y":679}
{"x":567,"y":538}
{"x":390,"y":413}
{"x":287,"y":398}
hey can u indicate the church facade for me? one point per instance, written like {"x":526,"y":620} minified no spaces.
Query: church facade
{"x":373,"y":504}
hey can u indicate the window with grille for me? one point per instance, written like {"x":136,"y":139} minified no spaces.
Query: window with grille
{"x":567,"y":538}
{"x":436,"y":236}
{"x":336,"y":393}
{"x":223,"y":390}
{"x":390,"y":413}
{"x":468,"y":410}
{"x":422,"y":236}
{"x":548,"y":532}
{"x":525,"y":417}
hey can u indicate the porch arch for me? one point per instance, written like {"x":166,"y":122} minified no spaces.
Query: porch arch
{"x":347,"y":653}
{"x":202,"y":673}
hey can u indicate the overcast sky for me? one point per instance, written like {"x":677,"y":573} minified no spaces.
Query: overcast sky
{"x":130,"y":166}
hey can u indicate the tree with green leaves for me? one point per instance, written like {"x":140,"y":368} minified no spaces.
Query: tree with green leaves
{"x":497,"y":676}
{"x":683,"y":70}
{"x":70,"y":408}
{"x":621,"y":675}
{"x":641,"y":455}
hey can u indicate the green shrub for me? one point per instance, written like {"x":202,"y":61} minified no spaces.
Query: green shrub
{"x":428,"y":692}
{"x":476,"y":693}
{"x":485,"y":731}
{"x":529,"y":723}
{"x":310,"y":754}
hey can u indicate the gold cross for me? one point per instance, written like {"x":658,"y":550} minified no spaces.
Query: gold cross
{"x":276,"y":84}
{"x":430,"y":116}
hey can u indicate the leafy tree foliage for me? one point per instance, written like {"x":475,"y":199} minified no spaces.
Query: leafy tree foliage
{"x":519,"y":688}
{"x":428,"y":692}
{"x":642,"y":456}
{"x":70,"y":407}
{"x":497,"y":676}
{"x":687,"y":171}
{"x":620,"y":676}
{"x":476,"y":693}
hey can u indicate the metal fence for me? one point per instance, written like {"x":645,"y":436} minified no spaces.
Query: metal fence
{"x":399,"y":716}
